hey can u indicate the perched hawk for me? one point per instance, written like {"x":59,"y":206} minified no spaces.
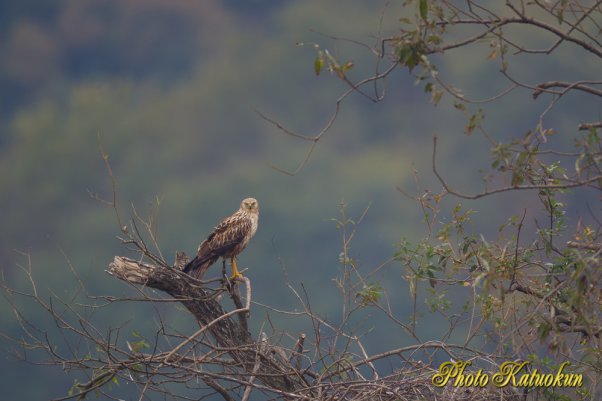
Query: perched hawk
{"x":227,"y":240}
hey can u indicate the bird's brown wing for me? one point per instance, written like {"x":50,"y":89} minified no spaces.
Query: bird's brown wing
{"x":227,"y":235}
{"x":223,"y":241}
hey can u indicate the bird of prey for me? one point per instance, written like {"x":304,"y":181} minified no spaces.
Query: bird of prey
{"x":227,"y":240}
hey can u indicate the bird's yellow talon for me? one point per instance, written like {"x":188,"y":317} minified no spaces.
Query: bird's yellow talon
{"x":235,"y":273}
{"x":237,"y":277}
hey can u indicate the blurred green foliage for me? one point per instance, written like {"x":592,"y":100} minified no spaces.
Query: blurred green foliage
{"x":168,"y":91}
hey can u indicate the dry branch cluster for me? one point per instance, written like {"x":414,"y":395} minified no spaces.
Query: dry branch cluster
{"x":269,"y":368}
{"x":222,"y":357}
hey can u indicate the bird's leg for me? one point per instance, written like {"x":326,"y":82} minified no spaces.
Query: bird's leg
{"x":235,"y":273}
{"x":225,"y":279}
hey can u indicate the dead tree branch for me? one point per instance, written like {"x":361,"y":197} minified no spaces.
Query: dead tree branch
{"x":227,"y":333}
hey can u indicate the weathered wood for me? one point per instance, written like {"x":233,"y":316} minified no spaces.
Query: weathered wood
{"x":229,"y":334}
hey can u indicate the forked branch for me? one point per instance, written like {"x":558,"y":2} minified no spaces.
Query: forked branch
{"x":228,"y":334}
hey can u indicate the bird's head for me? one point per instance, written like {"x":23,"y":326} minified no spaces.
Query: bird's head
{"x":250,"y":205}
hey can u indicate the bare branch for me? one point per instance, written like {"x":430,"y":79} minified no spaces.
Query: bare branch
{"x":588,"y":126}
{"x":228,"y":334}
{"x":566,"y":185}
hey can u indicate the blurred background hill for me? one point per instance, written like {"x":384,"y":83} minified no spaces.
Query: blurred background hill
{"x":169,"y":90}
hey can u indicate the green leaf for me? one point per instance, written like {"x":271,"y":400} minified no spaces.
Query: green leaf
{"x":437,"y":96}
{"x":409,"y":54}
{"x":432,"y":281}
{"x":318,"y":64}
{"x":347,"y":66}
{"x":369,"y":295}
{"x":543,"y":330}
{"x":404,"y":53}
{"x":434,"y":39}
{"x":424,"y":8}
{"x":517,"y":178}
{"x":460,"y":106}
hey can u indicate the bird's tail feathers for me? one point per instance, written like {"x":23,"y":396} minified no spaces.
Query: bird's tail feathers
{"x":197,"y":267}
